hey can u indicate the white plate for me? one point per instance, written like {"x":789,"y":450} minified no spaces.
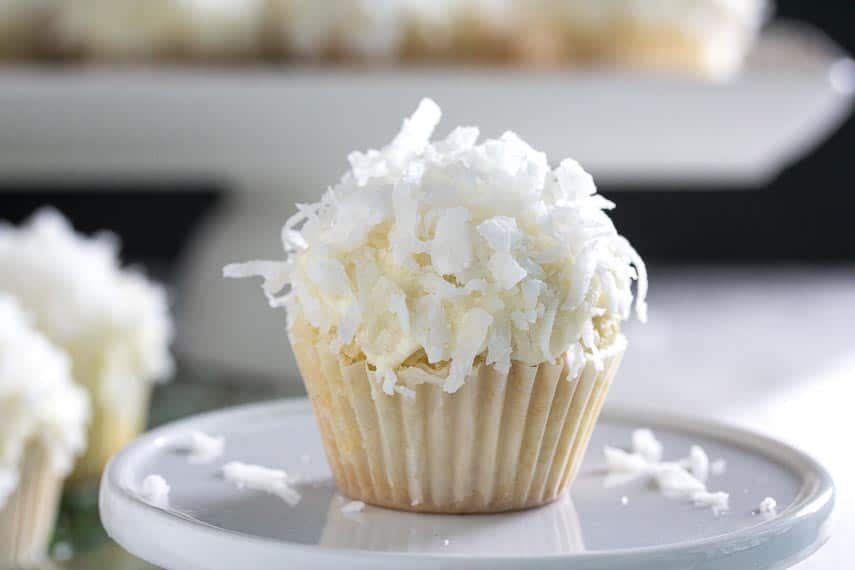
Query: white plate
{"x":217,"y":526}
{"x":288,"y":129}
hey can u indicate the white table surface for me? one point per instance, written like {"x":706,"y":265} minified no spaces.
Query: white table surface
{"x":771,"y":349}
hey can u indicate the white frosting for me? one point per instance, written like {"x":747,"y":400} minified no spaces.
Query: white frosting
{"x":449,"y":250}
{"x":113,"y":323}
{"x":39,"y":402}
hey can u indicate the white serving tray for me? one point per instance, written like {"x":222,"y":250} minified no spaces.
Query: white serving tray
{"x":217,"y":526}
{"x":288,"y":129}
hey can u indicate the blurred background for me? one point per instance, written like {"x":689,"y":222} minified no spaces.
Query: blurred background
{"x":737,"y":192}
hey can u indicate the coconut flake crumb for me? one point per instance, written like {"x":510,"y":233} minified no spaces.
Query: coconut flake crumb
{"x":353,"y":507}
{"x":768,"y":506}
{"x":155,"y":491}
{"x":205,"y":448}
{"x":258,"y":478}
{"x":619,"y":461}
{"x":683,"y":479}
{"x":645,"y":444}
{"x":718,"y":467}
{"x":624,"y":500}
{"x":719,"y":501}
{"x":699,"y":463}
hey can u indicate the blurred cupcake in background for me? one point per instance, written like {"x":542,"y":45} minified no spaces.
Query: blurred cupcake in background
{"x":224,"y":29}
{"x":115,"y":29}
{"x":21,"y":26}
{"x":455,"y":311}
{"x":342,"y":30}
{"x":113,"y":323}
{"x":43,"y":417}
{"x":708,"y":38}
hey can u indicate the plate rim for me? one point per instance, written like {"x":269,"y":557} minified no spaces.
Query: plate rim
{"x":810,"y":510}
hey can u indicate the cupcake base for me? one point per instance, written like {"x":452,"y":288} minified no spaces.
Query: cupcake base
{"x":110,"y":430}
{"x":502,"y":442}
{"x":28,"y":516}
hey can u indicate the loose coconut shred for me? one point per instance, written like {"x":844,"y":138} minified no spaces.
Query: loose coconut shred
{"x":265,"y":479}
{"x":437,"y":253}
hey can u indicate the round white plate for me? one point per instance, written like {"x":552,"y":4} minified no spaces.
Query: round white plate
{"x":214,"y":525}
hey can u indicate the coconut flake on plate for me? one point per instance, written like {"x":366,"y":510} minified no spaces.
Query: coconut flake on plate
{"x":154,"y":490}
{"x":353,"y":507}
{"x":767,"y":506}
{"x":718,"y":467}
{"x":683,"y":479}
{"x":204,"y":448}
{"x":719,"y":501}
{"x":259,"y":478}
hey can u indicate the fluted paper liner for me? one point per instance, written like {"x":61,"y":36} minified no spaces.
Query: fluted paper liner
{"x":502,"y":442}
{"x":28,"y":516}
{"x":111,"y":429}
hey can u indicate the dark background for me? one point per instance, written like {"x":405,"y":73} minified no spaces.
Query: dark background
{"x":805,"y":215}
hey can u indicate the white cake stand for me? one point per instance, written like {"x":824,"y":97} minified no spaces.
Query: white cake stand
{"x":213,"y":525}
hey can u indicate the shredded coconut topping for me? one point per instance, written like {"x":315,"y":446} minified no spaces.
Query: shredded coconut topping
{"x":258,"y":478}
{"x":113,"y":323}
{"x":155,"y":491}
{"x":448,"y":250}
{"x":39,"y":403}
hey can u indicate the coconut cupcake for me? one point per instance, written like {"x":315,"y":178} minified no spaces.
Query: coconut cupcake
{"x":43,"y":417}
{"x":113,"y":323}
{"x":115,"y":29}
{"x":455,"y":310}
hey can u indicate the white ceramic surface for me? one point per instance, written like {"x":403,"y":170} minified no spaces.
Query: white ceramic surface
{"x":215,"y":525}
{"x":273,"y":128}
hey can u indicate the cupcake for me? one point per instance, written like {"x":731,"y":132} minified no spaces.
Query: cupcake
{"x":115,"y":29}
{"x":214,"y":29}
{"x":43,"y":417}
{"x":114,"y":324}
{"x":20,"y":25}
{"x":342,"y":30}
{"x":708,"y":38}
{"x":455,"y":310}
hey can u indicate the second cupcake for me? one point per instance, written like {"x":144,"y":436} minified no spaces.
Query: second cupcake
{"x":455,"y":310}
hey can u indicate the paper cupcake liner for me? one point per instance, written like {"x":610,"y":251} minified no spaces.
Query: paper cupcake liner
{"x":28,"y":516}
{"x":111,"y":429}
{"x":502,"y":442}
